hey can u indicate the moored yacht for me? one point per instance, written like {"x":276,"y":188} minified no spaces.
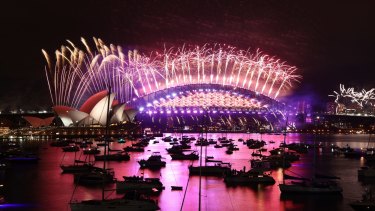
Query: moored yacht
{"x":154,"y":161}
{"x":140,"y":184}
{"x":235,"y":177}
{"x":218,"y":169}
{"x":78,"y":167}
{"x":181,"y":156}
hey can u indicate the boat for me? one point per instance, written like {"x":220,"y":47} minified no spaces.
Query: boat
{"x":140,"y":184}
{"x":177,"y":149}
{"x":180,"y":156}
{"x":78,"y":167}
{"x":367,"y":202}
{"x":96,"y":176}
{"x":91,"y":151}
{"x":173,"y":187}
{"x":154,"y":161}
{"x":119,"y":156}
{"x":70,"y":148}
{"x":132,"y":201}
{"x":218,"y":146}
{"x":228,"y":151}
{"x":134,"y":149}
{"x":121,"y":141}
{"x":218,"y":169}
{"x":242,"y":177}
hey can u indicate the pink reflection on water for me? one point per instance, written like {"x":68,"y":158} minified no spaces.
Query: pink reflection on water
{"x":58,"y":188}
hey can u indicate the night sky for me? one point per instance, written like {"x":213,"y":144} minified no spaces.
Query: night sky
{"x":329,"y":43}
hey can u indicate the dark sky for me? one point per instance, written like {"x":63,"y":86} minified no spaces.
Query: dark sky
{"x":330,"y":43}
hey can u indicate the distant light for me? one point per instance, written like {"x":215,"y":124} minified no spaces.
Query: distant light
{"x":176,"y":112}
{"x":162,"y":112}
{"x":174,"y":94}
{"x":188,"y":111}
{"x":169,"y":111}
{"x":182,"y":111}
{"x":141,"y":109}
{"x":195,"y":111}
{"x":201,"y":111}
{"x":149,"y":105}
{"x":214,"y":111}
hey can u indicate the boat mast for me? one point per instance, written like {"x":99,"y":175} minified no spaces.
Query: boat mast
{"x":284,"y":144}
{"x":105,"y":138}
{"x":314,"y":159}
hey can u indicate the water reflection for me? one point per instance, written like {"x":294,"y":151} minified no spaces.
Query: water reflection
{"x":44,"y":184}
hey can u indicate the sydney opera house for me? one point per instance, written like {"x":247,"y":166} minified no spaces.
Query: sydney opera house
{"x":94,"y":111}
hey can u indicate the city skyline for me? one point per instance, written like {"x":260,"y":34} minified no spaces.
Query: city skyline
{"x":328,"y":43}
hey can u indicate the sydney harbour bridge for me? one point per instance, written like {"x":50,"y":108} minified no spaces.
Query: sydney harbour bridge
{"x":216,"y":86}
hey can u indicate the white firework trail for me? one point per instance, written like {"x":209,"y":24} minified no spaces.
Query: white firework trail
{"x":77,"y":73}
{"x":361,"y":98}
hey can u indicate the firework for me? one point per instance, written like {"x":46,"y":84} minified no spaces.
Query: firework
{"x":361,"y":98}
{"x":76,"y":74}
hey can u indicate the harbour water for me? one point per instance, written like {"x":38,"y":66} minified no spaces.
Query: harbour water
{"x":42,"y":186}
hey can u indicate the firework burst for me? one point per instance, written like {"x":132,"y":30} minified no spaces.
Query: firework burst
{"x":76,"y":74}
{"x":361,"y":98}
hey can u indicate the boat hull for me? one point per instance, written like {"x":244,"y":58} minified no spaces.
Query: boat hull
{"x":122,"y":204}
{"x":208,"y":170}
{"x":284,"y":188}
{"x":122,"y":187}
{"x":239,"y":180}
